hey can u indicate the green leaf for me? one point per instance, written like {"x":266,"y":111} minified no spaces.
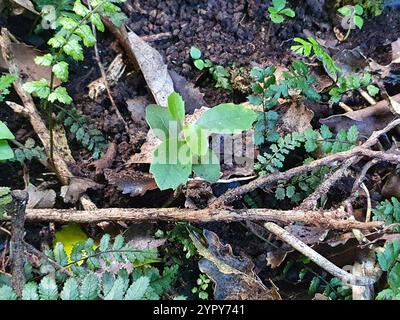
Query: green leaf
{"x":104,"y":242}
{"x":352,"y":134}
{"x":288,"y":12}
{"x":57,"y":41}
{"x":96,"y":20}
{"x":48,"y":289}
{"x":29,"y":292}
{"x":60,"y":256}
{"x":5,"y":133}
{"x":73,"y":49}
{"x":45,"y":60}
{"x":7,"y":293}
{"x":276,"y":18}
{"x":196,"y":138}
{"x":80,"y":9}
{"x":279,"y":4}
{"x":70,"y":290}
{"x":358,"y":9}
{"x":290,"y":191}
{"x":372,"y":90}
{"x":160,"y":121}
{"x":314,"y":285}
{"x":68,"y":23}
{"x":89,"y":287}
{"x":227,"y":118}
{"x":5,"y":151}
{"x":39,"y":87}
{"x":60,"y":70}
{"x":172,"y":164}
{"x":207,"y":166}
{"x":280,"y":193}
{"x":345,"y":11}
{"x":176,"y":107}
{"x":86,"y":34}
{"x":199,"y":64}
{"x":195,"y":53}
{"x":358,"y":21}
{"x":60,"y":94}
{"x":394,"y":277}
{"x":71,"y":235}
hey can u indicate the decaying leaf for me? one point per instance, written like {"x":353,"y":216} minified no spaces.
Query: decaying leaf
{"x":192,"y":96}
{"x":107,"y":159}
{"x":24,"y":56}
{"x":131,"y":182}
{"x":20,"y":6}
{"x":76,"y":188}
{"x":367,"y":120}
{"x":233,"y":276}
{"x":138,"y":236}
{"x":396,"y":51}
{"x":153,"y":68}
{"x":308,"y":235}
{"x":40,"y":199}
{"x":297,"y":118}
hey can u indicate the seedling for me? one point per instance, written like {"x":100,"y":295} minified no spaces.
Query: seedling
{"x":219,"y":73}
{"x":278,"y":11}
{"x":203,"y":283}
{"x":184,"y":146}
{"x":6,"y":152}
{"x":352,"y":18}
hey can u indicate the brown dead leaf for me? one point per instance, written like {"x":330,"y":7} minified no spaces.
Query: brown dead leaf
{"x":192,"y":96}
{"x":131,"y":182}
{"x":154,"y":69}
{"x":107,"y":159}
{"x":76,"y":188}
{"x":308,"y":235}
{"x":297,"y":118}
{"x":233,"y":276}
{"x":396,"y":51}
{"x":20,"y":6}
{"x":391,"y":188}
{"x":367,"y":120}
{"x":40,"y":199}
{"x":24,"y":56}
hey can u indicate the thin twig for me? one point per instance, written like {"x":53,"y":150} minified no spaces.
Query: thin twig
{"x":347,"y":278}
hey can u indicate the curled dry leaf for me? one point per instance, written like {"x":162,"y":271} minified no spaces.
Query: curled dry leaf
{"x":233,"y":276}
{"x":20,"y":6}
{"x":131,"y":182}
{"x":24,"y":56}
{"x":76,"y":188}
{"x":40,"y":199}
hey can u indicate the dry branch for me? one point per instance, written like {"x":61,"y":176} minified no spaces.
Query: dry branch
{"x":237,"y":193}
{"x":347,"y":278}
{"x":335,"y":219}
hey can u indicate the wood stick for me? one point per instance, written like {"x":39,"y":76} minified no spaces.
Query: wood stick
{"x":237,"y":193}
{"x":347,"y":278}
{"x":334,"y":219}
{"x":20,"y":200}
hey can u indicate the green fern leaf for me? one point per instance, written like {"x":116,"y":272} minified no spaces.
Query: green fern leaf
{"x":89,"y":287}
{"x":48,"y":289}
{"x":70,"y":290}
{"x":30,"y":291}
{"x":137,"y":289}
{"x":118,"y":290}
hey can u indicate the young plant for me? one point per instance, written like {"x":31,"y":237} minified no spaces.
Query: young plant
{"x":389,"y":261}
{"x":114,"y":270}
{"x":352,"y":17}
{"x":278,"y":11}
{"x":311,"y":47}
{"x":184,"y":146}
{"x":203,"y":284}
{"x":219,"y":73}
{"x":73,"y":34}
{"x":6,"y":153}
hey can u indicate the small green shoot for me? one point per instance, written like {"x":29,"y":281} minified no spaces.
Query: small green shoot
{"x":353,"y":17}
{"x":278,"y":11}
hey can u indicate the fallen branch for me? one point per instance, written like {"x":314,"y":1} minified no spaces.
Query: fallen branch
{"x":347,"y":278}
{"x":237,"y":193}
{"x":334,"y":219}
{"x":20,"y":200}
